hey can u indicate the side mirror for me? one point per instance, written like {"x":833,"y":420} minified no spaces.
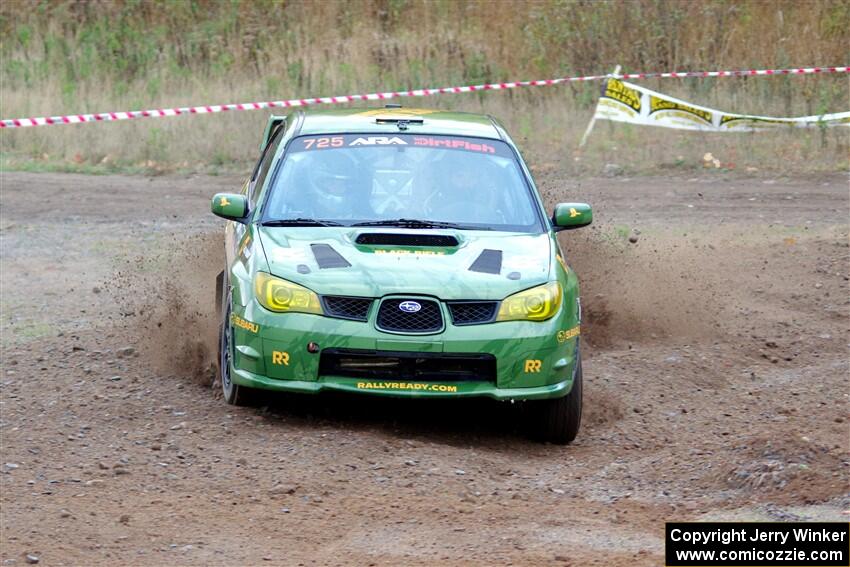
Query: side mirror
{"x":230,"y":206}
{"x":571,"y":215}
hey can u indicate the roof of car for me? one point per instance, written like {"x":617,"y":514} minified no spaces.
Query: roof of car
{"x":385,"y":120}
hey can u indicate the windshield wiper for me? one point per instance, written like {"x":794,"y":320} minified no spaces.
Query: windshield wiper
{"x":299,"y":222}
{"x":410,"y":223}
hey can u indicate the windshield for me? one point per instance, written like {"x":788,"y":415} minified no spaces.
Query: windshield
{"x":406,"y":180}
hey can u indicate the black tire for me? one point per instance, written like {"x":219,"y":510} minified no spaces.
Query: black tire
{"x":234,"y":394}
{"x":558,"y":420}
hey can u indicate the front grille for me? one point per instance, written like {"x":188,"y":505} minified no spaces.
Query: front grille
{"x":429,"y":318}
{"x":356,"y":308}
{"x":472,"y":312}
{"x":407,"y":366}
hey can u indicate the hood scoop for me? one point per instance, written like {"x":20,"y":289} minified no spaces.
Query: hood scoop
{"x":488,"y":262}
{"x":401,"y":239}
{"x":327,"y":257}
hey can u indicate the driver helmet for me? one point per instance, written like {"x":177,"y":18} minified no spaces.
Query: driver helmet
{"x":332,"y":178}
{"x":461,"y":169}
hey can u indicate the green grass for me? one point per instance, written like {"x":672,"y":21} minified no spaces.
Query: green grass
{"x":34,"y":330}
{"x":25,"y":331}
{"x":64,"y":57}
{"x":622,"y":231}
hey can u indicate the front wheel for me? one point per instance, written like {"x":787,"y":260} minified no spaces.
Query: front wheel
{"x":558,"y":420}
{"x":234,"y":394}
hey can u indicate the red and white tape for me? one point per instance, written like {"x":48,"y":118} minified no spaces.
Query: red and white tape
{"x":207,"y":109}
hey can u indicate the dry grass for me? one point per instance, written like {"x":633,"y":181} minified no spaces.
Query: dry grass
{"x":64,"y":57}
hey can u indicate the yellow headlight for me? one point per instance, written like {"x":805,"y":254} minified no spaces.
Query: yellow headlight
{"x":282,"y":296}
{"x":535,"y":304}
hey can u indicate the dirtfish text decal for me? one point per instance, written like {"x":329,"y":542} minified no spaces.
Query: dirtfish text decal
{"x":453,"y":144}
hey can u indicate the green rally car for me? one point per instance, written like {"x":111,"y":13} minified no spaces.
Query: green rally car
{"x":399,"y":252}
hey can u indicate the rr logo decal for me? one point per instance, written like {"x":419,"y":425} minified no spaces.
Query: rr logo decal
{"x":533,"y":365}
{"x":224,"y":202}
{"x":574,"y":213}
{"x":280,"y":357}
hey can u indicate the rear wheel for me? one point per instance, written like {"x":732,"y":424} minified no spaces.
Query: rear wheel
{"x":558,"y":420}
{"x":234,"y":394}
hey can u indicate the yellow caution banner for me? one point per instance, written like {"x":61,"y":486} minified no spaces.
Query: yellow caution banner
{"x":626,"y":102}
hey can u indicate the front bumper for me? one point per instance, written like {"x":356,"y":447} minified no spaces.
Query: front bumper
{"x":409,"y":389}
{"x":534,"y":360}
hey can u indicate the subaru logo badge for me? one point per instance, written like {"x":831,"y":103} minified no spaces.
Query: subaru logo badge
{"x":409,"y":306}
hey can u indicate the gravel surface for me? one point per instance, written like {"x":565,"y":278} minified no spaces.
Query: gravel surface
{"x":716,"y":387}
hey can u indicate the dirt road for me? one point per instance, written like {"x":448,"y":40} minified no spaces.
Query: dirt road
{"x":716,"y":388}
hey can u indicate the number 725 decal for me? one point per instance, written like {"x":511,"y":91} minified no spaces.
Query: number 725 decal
{"x":319,"y":143}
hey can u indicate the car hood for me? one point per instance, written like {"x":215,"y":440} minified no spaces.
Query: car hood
{"x":335,"y":261}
